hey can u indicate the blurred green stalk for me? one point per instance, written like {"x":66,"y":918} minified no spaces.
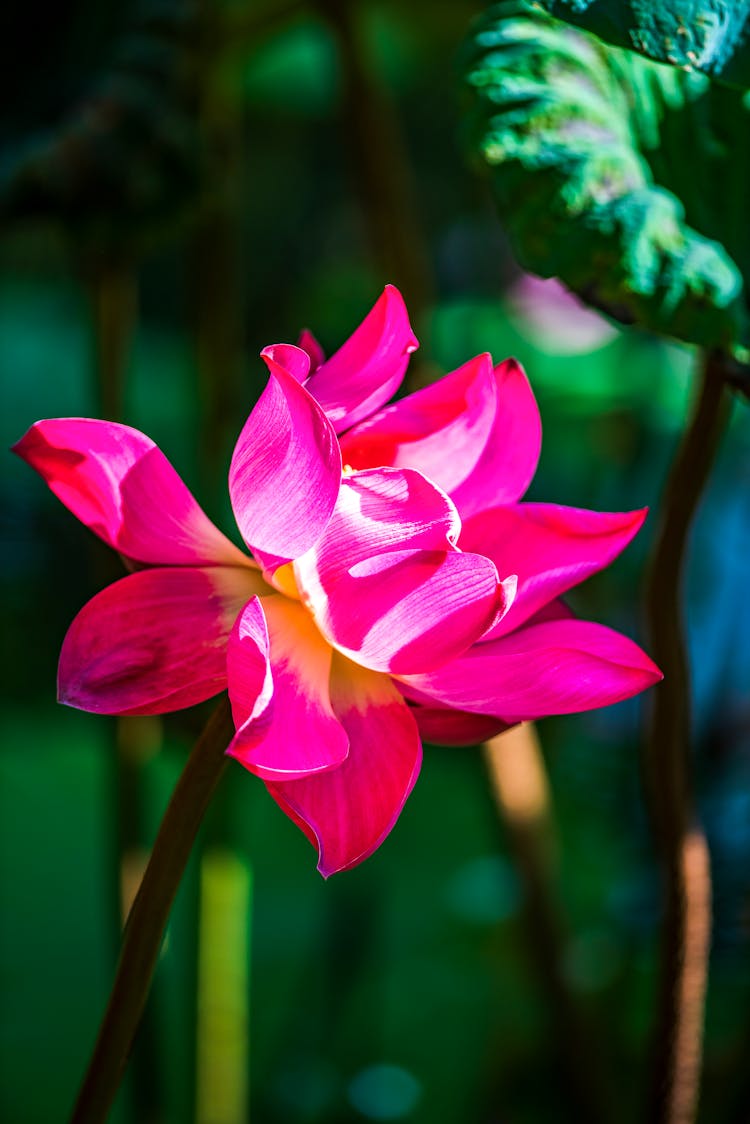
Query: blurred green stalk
{"x":148,"y":917}
{"x":222,"y":1034}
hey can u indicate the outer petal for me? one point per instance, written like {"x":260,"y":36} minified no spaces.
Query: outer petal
{"x":455,"y":414}
{"x":558,"y":667}
{"x":117,"y":482}
{"x":308,"y":343}
{"x":551,"y":548}
{"x":349,"y":811}
{"x":154,"y":641}
{"x":386,"y":585}
{"x":279,"y":690}
{"x":509,"y":460}
{"x":286,"y":468}
{"x":442,"y":726}
{"x":367,"y":370}
{"x":294,"y":360}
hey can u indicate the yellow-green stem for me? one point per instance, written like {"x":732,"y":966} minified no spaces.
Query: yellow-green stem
{"x":148,"y":917}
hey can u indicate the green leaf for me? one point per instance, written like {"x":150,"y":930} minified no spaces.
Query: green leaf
{"x":710,"y":36}
{"x":625,"y":178}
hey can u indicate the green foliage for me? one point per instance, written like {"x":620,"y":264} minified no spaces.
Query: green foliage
{"x":705,"y":35}
{"x":625,"y":178}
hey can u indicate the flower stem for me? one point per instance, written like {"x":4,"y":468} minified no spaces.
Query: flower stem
{"x":148,"y":917}
{"x":680,"y":839}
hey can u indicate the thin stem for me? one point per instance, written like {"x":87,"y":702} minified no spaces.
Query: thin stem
{"x":687,"y":918}
{"x":148,"y":917}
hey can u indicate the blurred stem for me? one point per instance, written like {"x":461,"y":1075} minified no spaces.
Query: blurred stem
{"x":521,"y":790}
{"x":381,"y":163}
{"x":687,"y":918}
{"x":148,"y":917}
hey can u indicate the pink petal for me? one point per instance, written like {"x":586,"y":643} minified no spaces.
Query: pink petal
{"x":367,"y":370}
{"x":559,"y":667}
{"x":455,"y":414}
{"x":294,"y":360}
{"x":279,"y":689}
{"x":249,"y":675}
{"x":511,"y":454}
{"x":442,"y":726}
{"x":350,"y":810}
{"x":154,"y":641}
{"x":286,"y":467}
{"x":117,"y":482}
{"x":550,"y":548}
{"x":309,"y":344}
{"x":386,"y":585}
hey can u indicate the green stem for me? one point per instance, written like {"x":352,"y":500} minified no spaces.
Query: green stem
{"x":687,"y":918}
{"x":148,"y":917}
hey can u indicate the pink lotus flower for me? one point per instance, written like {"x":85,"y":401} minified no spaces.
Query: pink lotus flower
{"x":408,"y":594}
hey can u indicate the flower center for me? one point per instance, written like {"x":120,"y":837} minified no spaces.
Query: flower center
{"x":285,"y":581}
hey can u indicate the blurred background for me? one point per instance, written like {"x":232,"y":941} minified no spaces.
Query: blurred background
{"x":182,"y":183}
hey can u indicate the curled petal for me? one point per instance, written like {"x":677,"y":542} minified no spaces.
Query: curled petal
{"x":456,"y":413}
{"x":279,"y":689}
{"x":510,"y":456}
{"x":557,"y":667}
{"x":385,"y":583}
{"x":349,"y":811}
{"x":117,"y":482}
{"x":286,"y":467}
{"x":294,"y":360}
{"x":154,"y":641}
{"x":367,"y":370}
{"x":249,"y":676}
{"x":550,"y":548}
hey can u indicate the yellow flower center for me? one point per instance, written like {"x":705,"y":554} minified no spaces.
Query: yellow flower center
{"x":285,"y":581}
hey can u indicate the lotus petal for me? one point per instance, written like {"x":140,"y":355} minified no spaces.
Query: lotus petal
{"x":309,"y":344}
{"x":550,"y":548}
{"x":286,"y":468}
{"x":557,"y":667}
{"x":511,"y":454}
{"x":444,"y":726}
{"x":456,"y":413}
{"x":117,"y":482}
{"x":279,"y":689}
{"x":349,"y":811}
{"x":385,"y":583}
{"x":367,"y":370}
{"x":154,"y":641}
